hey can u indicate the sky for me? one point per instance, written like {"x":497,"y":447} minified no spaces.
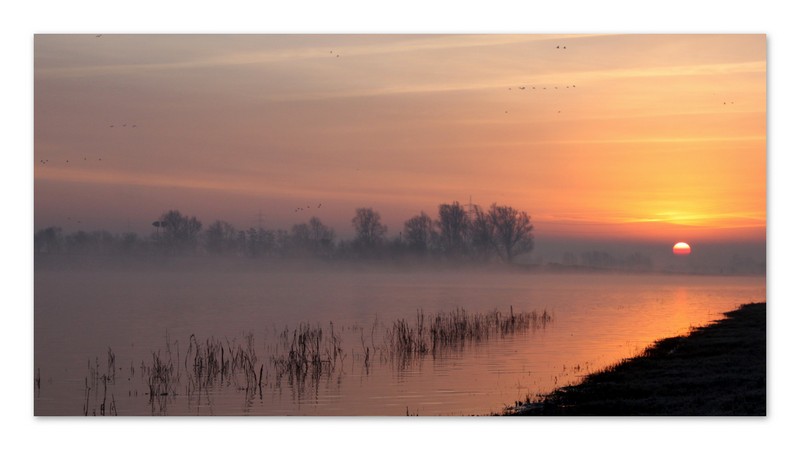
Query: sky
{"x":657,"y":138}
{"x":613,"y":16}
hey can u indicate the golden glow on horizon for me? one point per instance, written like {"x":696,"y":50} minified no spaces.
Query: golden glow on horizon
{"x":633,"y":134}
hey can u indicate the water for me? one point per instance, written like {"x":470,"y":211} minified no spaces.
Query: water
{"x":597,"y":319}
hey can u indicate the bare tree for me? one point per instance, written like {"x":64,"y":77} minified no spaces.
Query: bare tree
{"x":453,"y":226}
{"x":370,"y":231}
{"x":419,"y":233}
{"x":180,"y":232}
{"x":95,"y":242}
{"x":321,"y":237}
{"x":300,"y":238}
{"x":312,"y":238}
{"x":259,"y":242}
{"x":512,"y":231}
{"x":48,"y":240}
{"x":482,"y":235}
{"x":221,"y":238}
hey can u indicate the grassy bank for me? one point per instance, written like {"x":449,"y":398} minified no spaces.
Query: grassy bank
{"x":717,"y":370}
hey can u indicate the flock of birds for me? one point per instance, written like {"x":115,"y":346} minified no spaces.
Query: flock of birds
{"x":66,"y":161}
{"x":522,"y":88}
{"x":544,"y":88}
{"x":541,"y":88}
{"x":307,"y":207}
{"x":44,"y":162}
{"x":337,"y":55}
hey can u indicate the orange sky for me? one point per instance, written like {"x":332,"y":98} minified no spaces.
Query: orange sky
{"x":644,"y":136}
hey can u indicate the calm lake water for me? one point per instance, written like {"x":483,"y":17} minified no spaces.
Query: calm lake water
{"x":81,"y":316}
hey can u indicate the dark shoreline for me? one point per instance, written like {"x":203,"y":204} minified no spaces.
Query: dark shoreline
{"x":716,"y":370}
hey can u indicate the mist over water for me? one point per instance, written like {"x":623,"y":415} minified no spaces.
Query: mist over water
{"x":382,"y":224}
{"x":82,"y":312}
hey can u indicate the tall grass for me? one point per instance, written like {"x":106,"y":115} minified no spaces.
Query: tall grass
{"x":307,"y":351}
{"x":444,"y":331}
{"x":303,"y":356}
{"x":92,"y":384}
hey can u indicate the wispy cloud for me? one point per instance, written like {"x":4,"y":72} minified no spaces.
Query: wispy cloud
{"x":544,"y":79}
{"x":404,"y":44}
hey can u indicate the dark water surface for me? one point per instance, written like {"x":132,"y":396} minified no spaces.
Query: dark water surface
{"x":597,"y":319}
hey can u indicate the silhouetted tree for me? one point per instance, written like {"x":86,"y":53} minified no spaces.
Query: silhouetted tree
{"x":501,"y":232}
{"x":482,"y":235}
{"x":453,"y":226}
{"x":419,"y":233}
{"x":312,"y":238}
{"x":221,"y":238}
{"x":96,"y":242}
{"x":282,"y":242}
{"x":241,"y":242}
{"x":512,"y":230}
{"x":370,"y":231}
{"x":260,"y":242}
{"x":300,"y":237}
{"x":321,"y":237}
{"x":48,"y":240}
{"x":179,"y":233}
{"x":78,"y":242}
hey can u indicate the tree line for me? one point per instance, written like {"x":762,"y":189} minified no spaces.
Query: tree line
{"x":455,"y":233}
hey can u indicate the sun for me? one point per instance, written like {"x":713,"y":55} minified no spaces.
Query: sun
{"x":681,"y":248}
